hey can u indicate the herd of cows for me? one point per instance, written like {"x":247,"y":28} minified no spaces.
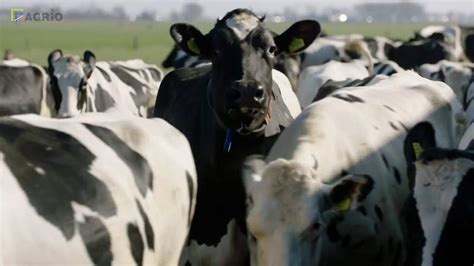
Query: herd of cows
{"x":260,"y":148}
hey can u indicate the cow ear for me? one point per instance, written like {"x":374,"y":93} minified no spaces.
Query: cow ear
{"x":252,"y":172}
{"x":189,"y":39}
{"x":350,"y":191}
{"x":418,"y":139}
{"x":89,"y":59}
{"x":298,"y":37}
{"x":54,"y":56}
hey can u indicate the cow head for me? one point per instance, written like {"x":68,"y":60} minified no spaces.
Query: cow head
{"x":469,"y":44}
{"x":413,"y":54}
{"x":457,"y":75}
{"x":290,"y":211}
{"x":242,"y":51}
{"x":69,"y":75}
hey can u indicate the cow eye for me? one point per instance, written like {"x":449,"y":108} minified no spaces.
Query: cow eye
{"x":272,"y":49}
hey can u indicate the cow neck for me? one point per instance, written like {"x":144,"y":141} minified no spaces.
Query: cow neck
{"x":82,"y":101}
{"x":211,"y":105}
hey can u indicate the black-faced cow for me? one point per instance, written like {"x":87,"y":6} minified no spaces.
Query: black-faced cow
{"x":228,"y":110}
{"x":24,"y":89}
{"x":98,"y":189}
{"x":444,"y":193}
{"x":89,"y":86}
{"x":288,"y":64}
{"x":333,"y":188}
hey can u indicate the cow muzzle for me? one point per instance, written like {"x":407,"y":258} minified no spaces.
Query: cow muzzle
{"x":247,"y":106}
{"x":249,"y":120}
{"x":246,"y":94}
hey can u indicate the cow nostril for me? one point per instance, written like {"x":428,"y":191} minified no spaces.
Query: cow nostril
{"x":258,"y":95}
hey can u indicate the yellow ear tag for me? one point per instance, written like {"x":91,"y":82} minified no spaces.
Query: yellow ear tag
{"x":295,"y":45}
{"x":343,"y":205}
{"x":417,"y":149}
{"x":193,"y":46}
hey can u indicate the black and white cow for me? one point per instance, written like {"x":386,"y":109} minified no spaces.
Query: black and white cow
{"x":24,"y":89}
{"x":178,"y":58}
{"x":228,"y":110}
{"x":444,"y":193}
{"x":89,"y":86}
{"x":459,"y":76}
{"x":380,"y":46}
{"x":469,"y":47}
{"x":386,"y":68}
{"x":332,"y":86}
{"x":467,"y":139}
{"x":333,"y":188}
{"x":312,"y":78}
{"x":418,"y":52}
{"x":338,"y":48}
{"x":449,"y":34}
{"x":97,"y":189}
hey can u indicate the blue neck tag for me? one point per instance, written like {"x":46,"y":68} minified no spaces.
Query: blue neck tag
{"x":228,"y":140}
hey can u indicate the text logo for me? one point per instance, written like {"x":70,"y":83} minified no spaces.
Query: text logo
{"x":19,"y":15}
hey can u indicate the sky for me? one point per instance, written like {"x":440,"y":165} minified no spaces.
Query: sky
{"x":216,"y":7}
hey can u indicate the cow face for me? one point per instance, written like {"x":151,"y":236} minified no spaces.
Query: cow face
{"x":289,"y":210}
{"x":69,"y":75}
{"x":242,"y":52}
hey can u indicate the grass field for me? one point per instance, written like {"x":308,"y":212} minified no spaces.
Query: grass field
{"x":124,"y":40}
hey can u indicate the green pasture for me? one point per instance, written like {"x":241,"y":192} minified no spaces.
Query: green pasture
{"x":125,"y":40}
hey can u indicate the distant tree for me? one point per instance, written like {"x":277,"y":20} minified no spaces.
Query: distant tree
{"x":405,"y":11}
{"x":119,"y":13}
{"x":174,"y":16}
{"x":192,"y":11}
{"x":146,"y":16}
{"x":290,"y":14}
